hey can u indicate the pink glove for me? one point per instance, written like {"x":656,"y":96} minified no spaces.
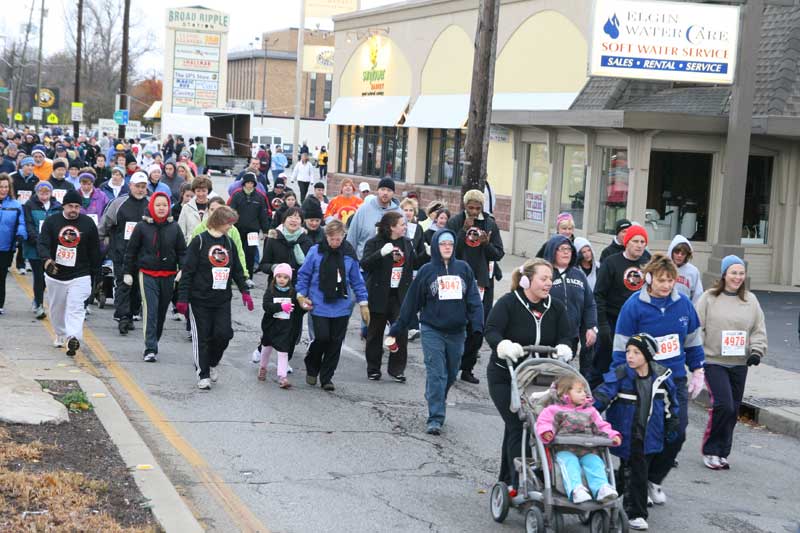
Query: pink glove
{"x":247,"y":300}
{"x":183,"y":308}
{"x":287,"y":307}
{"x":697,"y":382}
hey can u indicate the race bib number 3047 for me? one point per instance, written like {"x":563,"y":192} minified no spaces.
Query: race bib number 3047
{"x":449,"y":287}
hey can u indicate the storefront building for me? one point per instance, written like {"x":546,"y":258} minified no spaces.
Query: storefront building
{"x":599,"y":148}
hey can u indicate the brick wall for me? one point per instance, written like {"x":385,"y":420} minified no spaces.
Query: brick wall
{"x":426,"y":194}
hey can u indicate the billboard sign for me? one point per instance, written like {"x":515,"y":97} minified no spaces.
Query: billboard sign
{"x":329,"y":8}
{"x":318,"y":59}
{"x":672,"y":41}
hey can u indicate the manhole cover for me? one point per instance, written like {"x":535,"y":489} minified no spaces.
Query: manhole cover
{"x":771,"y":402}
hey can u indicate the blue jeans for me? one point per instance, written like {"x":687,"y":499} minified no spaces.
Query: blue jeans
{"x":442,"y":353}
{"x":592,"y":466}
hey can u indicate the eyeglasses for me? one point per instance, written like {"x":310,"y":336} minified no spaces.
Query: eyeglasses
{"x":564,"y":249}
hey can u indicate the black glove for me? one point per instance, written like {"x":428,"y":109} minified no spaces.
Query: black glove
{"x":671,"y":428}
{"x":51,"y":268}
{"x":20,"y":240}
{"x":754,"y":359}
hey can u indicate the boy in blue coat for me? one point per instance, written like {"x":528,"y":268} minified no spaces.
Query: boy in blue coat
{"x":643,"y":406}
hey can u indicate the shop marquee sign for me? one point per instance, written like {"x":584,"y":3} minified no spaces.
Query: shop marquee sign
{"x":675,"y":41}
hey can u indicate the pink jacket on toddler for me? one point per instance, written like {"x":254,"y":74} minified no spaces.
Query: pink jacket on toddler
{"x":564,"y":418}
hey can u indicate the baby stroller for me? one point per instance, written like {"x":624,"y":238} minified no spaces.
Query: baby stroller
{"x":541,"y":491}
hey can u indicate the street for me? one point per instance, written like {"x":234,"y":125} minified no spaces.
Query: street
{"x":358,"y":459}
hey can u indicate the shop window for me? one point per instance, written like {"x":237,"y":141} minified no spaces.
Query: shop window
{"x":312,"y":94}
{"x":677,"y":195}
{"x":573,"y":182}
{"x":536,"y":187}
{"x":613,"y":188}
{"x":445,"y":164}
{"x":373,"y":151}
{"x":755,"y":224}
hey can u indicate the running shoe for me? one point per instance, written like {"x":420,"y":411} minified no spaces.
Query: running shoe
{"x":399,"y":378}
{"x":289,"y":369}
{"x":39,"y":312}
{"x":73,"y":345}
{"x":21,"y":271}
{"x":434,"y":429}
{"x":712,"y":462}
{"x":469,"y":377}
{"x":413,"y":334}
{"x":311,"y":380}
{"x":175,"y":315}
{"x":374,"y":376}
{"x":328,"y":387}
{"x":137,"y":318}
{"x":213,"y":374}
{"x":149,"y":357}
{"x":606,"y":494}
{"x":639,"y":524}
{"x":656,"y":493}
{"x":204,"y":384}
{"x":59,"y":342}
{"x":256,"y":356}
{"x":724,"y":462}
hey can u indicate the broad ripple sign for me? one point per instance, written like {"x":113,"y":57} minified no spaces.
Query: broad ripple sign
{"x":675,"y":41}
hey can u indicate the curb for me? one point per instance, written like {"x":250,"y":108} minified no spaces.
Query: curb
{"x":167,"y":506}
{"x":769,"y":418}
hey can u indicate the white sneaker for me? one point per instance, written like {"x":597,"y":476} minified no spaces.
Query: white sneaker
{"x":176,"y":316}
{"x":59,"y":342}
{"x":204,"y":384}
{"x":712,"y":462}
{"x":256,"y":356}
{"x":413,"y":334}
{"x":724,"y":462}
{"x":213,"y":374}
{"x":656,"y":493}
{"x":580,"y":494}
{"x":289,"y":369}
{"x":137,"y":318}
{"x":639,"y":524}
{"x":606,"y":494}
{"x":21,"y":271}
{"x":87,"y":311}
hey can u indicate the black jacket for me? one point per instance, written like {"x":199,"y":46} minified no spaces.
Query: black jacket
{"x":612,"y":249}
{"x":378,"y":269}
{"x":617,"y":278}
{"x":79,"y":234}
{"x":252,"y":209}
{"x":196,"y":285}
{"x":512,"y":318}
{"x":279,"y":331}
{"x":155,"y":246}
{"x":61,"y":184}
{"x":278,"y":250}
{"x":118,"y":214}
{"x":478,"y":257}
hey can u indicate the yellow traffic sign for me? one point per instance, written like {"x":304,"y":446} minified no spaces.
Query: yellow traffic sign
{"x":52,"y":118}
{"x":18,"y":117}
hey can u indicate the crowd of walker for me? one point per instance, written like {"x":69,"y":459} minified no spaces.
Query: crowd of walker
{"x":77,"y":212}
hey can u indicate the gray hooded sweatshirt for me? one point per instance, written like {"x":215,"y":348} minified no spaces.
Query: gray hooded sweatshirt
{"x":689,"y":282}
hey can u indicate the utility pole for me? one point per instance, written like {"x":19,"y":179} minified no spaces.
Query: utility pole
{"x":39,"y":67}
{"x":76,"y":125}
{"x":18,"y":88}
{"x":480,"y":101}
{"x":123,"y":74}
{"x":298,"y":84}
{"x":264,"y":81}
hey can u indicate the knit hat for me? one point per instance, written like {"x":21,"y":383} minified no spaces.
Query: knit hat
{"x":446,"y":237}
{"x":86,"y":176}
{"x":312,"y":210}
{"x":118,"y":169}
{"x":283,"y":268}
{"x":319,"y":185}
{"x":632,"y":232}
{"x":152,"y":168}
{"x":249,"y":177}
{"x":59,"y":163}
{"x":622,"y":224}
{"x":27,"y":161}
{"x":279,"y":182}
{"x":129,"y":158}
{"x":646,"y":344}
{"x":43,"y":185}
{"x":730,"y":260}
{"x":386,"y":182}
{"x":120,"y":147}
{"x":564,"y":217}
{"x":38,"y":148}
{"x":72,"y":197}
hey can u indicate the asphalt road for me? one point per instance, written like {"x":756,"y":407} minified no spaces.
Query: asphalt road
{"x":781,"y":310}
{"x":358,"y":459}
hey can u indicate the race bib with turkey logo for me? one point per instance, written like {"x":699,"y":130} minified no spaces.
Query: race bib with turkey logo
{"x":218,"y":256}
{"x":633,"y":279}
{"x":398,"y":260}
{"x":67,"y":250}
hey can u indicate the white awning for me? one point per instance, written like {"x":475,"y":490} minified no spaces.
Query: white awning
{"x":154,"y":111}
{"x":446,"y":111}
{"x":532,"y":101}
{"x":368,"y":110}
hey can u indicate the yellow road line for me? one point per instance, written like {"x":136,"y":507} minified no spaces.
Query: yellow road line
{"x":239,"y":513}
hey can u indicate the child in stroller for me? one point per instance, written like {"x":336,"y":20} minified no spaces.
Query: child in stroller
{"x":572,"y":413}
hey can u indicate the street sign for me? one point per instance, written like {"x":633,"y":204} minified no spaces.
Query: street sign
{"x":18,"y":117}
{"x":133,"y":129}
{"x":106,"y":124}
{"x":52,"y":118}
{"x":36,"y":112}
{"x":77,"y":111}
{"x":121,"y":116}
{"x":4,"y":90}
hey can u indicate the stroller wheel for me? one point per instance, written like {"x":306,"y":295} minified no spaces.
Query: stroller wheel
{"x":599,"y":522}
{"x":499,"y":501}
{"x":584,"y":518}
{"x":620,"y":522}
{"x":558,"y":522}
{"x":534,"y":520}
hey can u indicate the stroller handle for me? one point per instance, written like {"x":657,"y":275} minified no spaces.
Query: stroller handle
{"x":533,"y":349}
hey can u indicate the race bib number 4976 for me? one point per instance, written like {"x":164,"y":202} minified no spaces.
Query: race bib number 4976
{"x":733,"y":343}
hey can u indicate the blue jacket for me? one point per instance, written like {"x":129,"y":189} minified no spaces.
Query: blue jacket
{"x":572,"y":288}
{"x":159,"y":187}
{"x":618,"y":395}
{"x":448,"y":316}
{"x":674,"y":314}
{"x":35,"y":214}
{"x":8,"y":165}
{"x":308,"y":284}
{"x":106,"y":188}
{"x":12,"y":224}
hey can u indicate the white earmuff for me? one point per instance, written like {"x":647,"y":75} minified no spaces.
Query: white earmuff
{"x":648,"y":278}
{"x":524,"y":281}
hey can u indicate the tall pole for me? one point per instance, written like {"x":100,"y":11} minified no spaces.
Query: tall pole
{"x":481,"y":92}
{"x":264,"y":82}
{"x":18,"y":88}
{"x":76,"y":124}
{"x":298,"y":83}
{"x":123,"y":74}
{"x":39,"y":65}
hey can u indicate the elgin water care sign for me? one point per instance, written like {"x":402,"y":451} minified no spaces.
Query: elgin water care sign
{"x":675,"y":41}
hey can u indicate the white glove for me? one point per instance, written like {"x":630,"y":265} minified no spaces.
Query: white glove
{"x":127,"y":279}
{"x":510,"y":351}
{"x":427,"y":248}
{"x":250,"y":283}
{"x":387,"y":249}
{"x":564,"y":353}
{"x":697,"y":383}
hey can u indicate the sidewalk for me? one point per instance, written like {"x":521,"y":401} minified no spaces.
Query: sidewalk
{"x":28,"y":355}
{"x":772,"y":395}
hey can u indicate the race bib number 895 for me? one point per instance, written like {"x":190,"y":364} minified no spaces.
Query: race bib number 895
{"x":668,"y":346}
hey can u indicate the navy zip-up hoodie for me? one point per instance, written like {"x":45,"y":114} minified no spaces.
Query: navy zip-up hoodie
{"x":447,"y":316}
{"x":572,"y":288}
